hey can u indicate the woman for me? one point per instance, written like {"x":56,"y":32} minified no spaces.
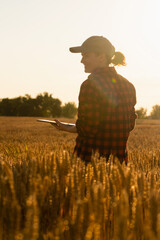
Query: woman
{"x":106,"y":112}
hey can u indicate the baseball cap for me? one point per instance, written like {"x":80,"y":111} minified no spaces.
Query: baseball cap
{"x":97,"y":44}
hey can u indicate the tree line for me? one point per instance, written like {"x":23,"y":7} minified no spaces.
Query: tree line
{"x":44,"y":105}
{"x":154,"y":114}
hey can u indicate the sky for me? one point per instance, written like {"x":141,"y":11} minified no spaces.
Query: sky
{"x":36,"y":36}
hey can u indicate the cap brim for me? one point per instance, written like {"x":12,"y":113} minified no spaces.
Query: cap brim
{"x":76,"y":49}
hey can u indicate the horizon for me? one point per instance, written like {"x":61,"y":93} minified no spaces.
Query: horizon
{"x":63,"y":103}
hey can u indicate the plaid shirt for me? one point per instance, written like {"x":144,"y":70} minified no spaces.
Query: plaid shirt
{"x":106,"y":114}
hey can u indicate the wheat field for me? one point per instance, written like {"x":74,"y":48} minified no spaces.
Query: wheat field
{"x":46,"y":193}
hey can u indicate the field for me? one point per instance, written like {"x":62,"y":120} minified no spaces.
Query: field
{"x":48,"y":194}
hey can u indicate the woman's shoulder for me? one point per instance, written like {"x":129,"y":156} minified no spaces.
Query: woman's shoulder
{"x":125,"y":81}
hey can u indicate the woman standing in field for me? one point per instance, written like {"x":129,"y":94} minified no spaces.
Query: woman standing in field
{"x":106,"y":112}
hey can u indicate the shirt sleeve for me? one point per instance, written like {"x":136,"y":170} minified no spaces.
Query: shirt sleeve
{"x":88,"y":111}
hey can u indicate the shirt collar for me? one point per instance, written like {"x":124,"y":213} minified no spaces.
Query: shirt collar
{"x":105,"y":70}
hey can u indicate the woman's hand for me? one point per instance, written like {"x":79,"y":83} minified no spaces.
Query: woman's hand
{"x":63,"y":127}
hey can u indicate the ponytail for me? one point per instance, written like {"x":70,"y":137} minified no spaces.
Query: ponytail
{"x":118,"y":59}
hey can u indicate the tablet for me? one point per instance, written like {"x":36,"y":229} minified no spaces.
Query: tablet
{"x":54,"y":122}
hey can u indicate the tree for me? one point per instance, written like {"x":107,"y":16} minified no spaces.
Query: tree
{"x":69,"y":110}
{"x":47,"y":106}
{"x":142,"y":113}
{"x":28,"y":107}
{"x":6,"y":107}
{"x":155,"y":113}
{"x":55,"y":107}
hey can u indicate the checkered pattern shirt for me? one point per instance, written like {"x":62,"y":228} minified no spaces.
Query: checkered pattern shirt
{"x":106,"y":115}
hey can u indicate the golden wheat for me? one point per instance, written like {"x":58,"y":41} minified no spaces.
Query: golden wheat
{"x":46,"y":193}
